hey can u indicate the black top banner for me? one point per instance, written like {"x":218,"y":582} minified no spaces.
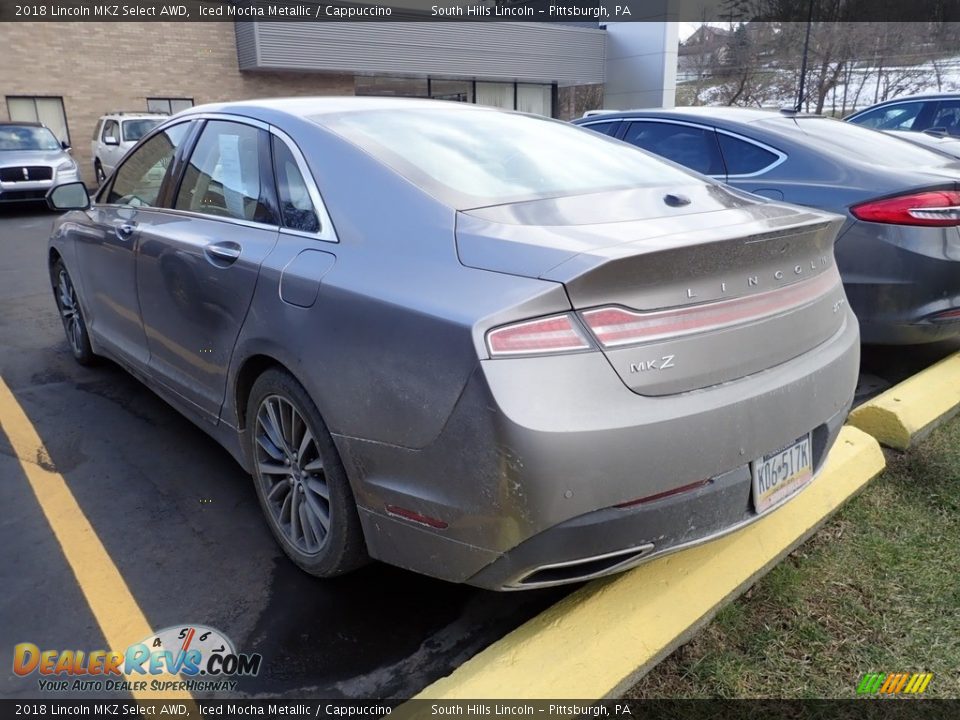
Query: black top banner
{"x":577,"y":11}
{"x":889,"y":709}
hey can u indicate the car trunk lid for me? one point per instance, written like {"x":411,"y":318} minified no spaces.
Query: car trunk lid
{"x":678,"y":297}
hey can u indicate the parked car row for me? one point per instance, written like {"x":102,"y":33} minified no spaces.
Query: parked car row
{"x":899,"y":247}
{"x":33,"y":160}
{"x":496,"y":348}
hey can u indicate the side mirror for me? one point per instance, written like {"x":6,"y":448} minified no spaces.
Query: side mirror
{"x":936,"y":132}
{"x":111,"y":140}
{"x":72,"y":196}
{"x":64,"y":144}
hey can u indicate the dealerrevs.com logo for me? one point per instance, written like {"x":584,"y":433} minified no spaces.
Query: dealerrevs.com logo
{"x":203,"y":656}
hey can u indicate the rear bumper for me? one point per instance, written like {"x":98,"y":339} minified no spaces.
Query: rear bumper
{"x":613,"y":539}
{"x":539,"y":451}
{"x":898,"y":278}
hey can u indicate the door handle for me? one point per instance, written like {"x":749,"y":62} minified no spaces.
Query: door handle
{"x":223,"y":252}
{"x":125,"y":230}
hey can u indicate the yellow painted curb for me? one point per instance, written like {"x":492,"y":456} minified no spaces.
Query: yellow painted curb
{"x":602,"y":638}
{"x":907,"y":412}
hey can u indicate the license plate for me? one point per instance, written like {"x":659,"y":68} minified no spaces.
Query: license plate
{"x":779,"y":475}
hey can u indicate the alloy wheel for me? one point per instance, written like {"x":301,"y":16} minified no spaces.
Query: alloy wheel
{"x":70,"y":312}
{"x":291,"y":474}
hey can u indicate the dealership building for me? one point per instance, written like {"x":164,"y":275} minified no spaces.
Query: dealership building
{"x":67,"y":75}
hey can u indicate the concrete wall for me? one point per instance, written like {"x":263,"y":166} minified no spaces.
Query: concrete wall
{"x":641,"y":65}
{"x":101,"y":67}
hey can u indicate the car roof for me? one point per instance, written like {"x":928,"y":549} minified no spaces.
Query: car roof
{"x":920,"y":96}
{"x":711,"y":113}
{"x":311,"y":107}
{"x":4,"y":123}
{"x":905,"y":99}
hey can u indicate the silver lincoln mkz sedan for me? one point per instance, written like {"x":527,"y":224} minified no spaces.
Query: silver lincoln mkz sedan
{"x":489,"y":347}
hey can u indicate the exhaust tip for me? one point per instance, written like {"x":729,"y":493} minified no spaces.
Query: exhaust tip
{"x":582,"y":569}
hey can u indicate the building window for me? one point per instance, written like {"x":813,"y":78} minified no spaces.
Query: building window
{"x":499,"y":95}
{"x":456,"y":90}
{"x":46,"y":110}
{"x":526,"y":97}
{"x":534,"y":99}
{"x":168,"y":105}
{"x":387,"y":86}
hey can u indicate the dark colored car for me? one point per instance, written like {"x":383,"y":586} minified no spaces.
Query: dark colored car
{"x":485,"y":346}
{"x":947,"y":144}
{"x":920,"y":113}
{"x":899,"y":249}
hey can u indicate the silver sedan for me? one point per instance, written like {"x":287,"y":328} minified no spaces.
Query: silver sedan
{"x":485,"y":346}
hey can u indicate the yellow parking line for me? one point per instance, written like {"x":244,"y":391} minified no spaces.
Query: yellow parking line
{"x":113,"y":605}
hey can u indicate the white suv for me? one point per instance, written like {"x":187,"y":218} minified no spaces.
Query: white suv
{"x":115,"y":134}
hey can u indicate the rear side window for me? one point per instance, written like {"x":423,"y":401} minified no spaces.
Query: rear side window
{"x":694,"y":147}
{"x":223,"y":177}
{"x":607,"y":128}
{"x":133,"y":130}
{"x":947,"y":117}
{"x":296,"y":206}
{"x":744,"y":158}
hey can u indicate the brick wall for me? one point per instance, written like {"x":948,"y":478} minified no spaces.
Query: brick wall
{"x":101,"y":67}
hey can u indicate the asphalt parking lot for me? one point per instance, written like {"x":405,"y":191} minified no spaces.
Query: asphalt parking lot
{"x":180,"y":522}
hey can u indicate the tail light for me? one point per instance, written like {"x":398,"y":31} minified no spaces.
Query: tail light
{"x":615,"y":326}
{"x":947,"y":316}
{"x":557,"y":334}
{"x":931,"y":208}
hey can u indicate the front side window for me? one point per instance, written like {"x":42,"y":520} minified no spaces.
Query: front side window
{"x":895,"y":117}
{"x":692,"y":147}
{"x":223,"y":177}
{"x":27,"y":137}
{"x":111,"y":130}
{"x":744,"y":158}
{"x":296,"y":206}
{"x":140,"y":177}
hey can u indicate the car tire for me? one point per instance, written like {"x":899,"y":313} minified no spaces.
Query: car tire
{"x":303,"y":491}
{"x":71,"y":315}
{"x":99,"y":173}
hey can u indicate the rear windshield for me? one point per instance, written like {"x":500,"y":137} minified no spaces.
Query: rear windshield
{"x":860,"y":143}
{"x":477,"y":158}
{"x":136,"y":129}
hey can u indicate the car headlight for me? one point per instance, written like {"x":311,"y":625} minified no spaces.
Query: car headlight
{"x":67,"y":166}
